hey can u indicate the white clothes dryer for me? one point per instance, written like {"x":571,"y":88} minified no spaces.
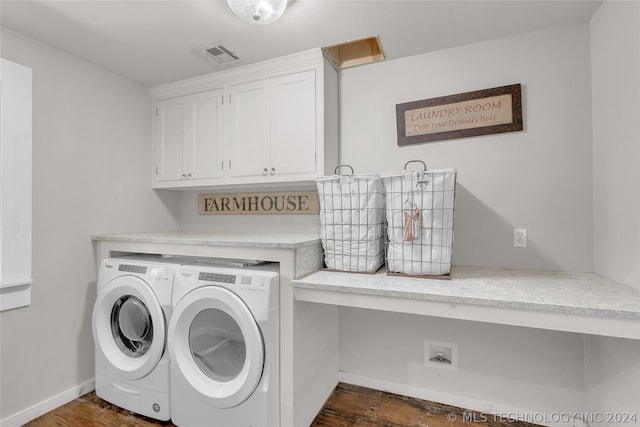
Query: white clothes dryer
{"x":130,"y":317}
{"x":224,"y":343}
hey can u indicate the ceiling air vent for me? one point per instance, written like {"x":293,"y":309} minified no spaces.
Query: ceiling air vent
{"x":220,"y":55}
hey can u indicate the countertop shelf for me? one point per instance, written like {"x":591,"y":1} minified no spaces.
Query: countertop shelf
{"x":574,"y":302}
{"x":215,"y":238}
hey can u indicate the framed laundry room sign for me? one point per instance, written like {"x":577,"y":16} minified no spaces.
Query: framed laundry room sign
{"x":481,"y":112}
{"x":275,"y":203}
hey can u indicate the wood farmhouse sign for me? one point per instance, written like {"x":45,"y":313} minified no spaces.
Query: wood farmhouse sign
{"x":277,"y":203}
{"x":481,"y":112}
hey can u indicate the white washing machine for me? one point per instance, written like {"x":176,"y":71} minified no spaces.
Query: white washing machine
{"x":130,"y":319}
{"x":224,"y":343}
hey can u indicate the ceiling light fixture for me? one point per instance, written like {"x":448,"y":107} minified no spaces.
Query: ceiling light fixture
{"x":260,"y":12}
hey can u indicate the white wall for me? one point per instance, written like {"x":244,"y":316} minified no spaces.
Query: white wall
{"x":500,"y":368}
{"x":91,"y":175}
{"x":616,"y":134}
{"x":91,"y":163}
{"x":538,"y":179}
{"x":613,"y":365}
{"x":613,"y":378}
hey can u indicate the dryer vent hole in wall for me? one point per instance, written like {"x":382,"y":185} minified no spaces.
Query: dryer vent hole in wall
{"x":440,"y":355}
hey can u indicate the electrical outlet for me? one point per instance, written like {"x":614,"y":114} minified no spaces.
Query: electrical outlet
{"x":519,"y":237}
{"x":439,"y":354}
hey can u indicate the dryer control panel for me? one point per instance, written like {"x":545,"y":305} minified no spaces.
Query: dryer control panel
{"x":242,"y":281}
{"x":257,"y":286}
{"x":217,"y":277}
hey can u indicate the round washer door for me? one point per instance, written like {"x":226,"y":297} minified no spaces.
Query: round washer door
{"x":215,"y":346}
{"x":129,"y":326}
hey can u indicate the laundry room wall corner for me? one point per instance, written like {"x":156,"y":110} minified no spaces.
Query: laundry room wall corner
{"x":91,"y":162}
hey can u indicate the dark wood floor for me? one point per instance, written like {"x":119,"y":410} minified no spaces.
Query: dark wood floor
{"x":347,"y":406}
{"x":90,"y":410}
{"x":351,"y":405}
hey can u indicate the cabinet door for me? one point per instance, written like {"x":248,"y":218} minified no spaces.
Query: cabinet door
{"x":293,"y":124}
{"x":204,"y":150}
{"x":249,"y":129}
{"x":170,"y":135}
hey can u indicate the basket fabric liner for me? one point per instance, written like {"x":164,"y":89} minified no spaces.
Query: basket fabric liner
{"x":352,"y":222}
{"x":420,"y":214}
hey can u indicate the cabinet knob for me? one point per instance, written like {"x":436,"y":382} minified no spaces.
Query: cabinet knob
{"x":265,"y":172}
{"x":184,"y":175}
{"x":273,"y":171}
{"x":189,"y":175}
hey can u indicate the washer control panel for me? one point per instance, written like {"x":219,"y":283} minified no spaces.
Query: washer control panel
{"x":130,"y":268}
{"x":153,"y":270}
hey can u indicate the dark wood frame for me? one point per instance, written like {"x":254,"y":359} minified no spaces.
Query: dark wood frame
{"x":515,"y":125}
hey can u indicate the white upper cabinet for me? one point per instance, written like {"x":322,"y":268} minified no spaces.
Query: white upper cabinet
{"x":249,"y":124}
{"x":268,"y":124}
{"x":273,"y":128}
{"x":188,"y":139}
{"x":169,"y":138}
{"x":293,"y":124}
{"x":205,"y":148}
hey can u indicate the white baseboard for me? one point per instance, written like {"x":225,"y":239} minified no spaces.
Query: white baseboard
{"x":33,"y":412}
{"x":491,"y":410}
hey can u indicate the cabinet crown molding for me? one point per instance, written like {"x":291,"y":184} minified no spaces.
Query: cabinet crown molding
{"x":273,"y":67}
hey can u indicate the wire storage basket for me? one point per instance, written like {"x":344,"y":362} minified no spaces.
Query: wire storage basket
{"x":352,"y":220}
{"x":420,"y":213}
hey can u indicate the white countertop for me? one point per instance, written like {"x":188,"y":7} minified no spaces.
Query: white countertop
{"x":216,"y":238}
{"x":579,"y":293}
{"x":578,"y":302}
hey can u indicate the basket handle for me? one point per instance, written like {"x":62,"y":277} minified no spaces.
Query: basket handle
{"x":424,"y":165}
{"x":335,"y":171}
